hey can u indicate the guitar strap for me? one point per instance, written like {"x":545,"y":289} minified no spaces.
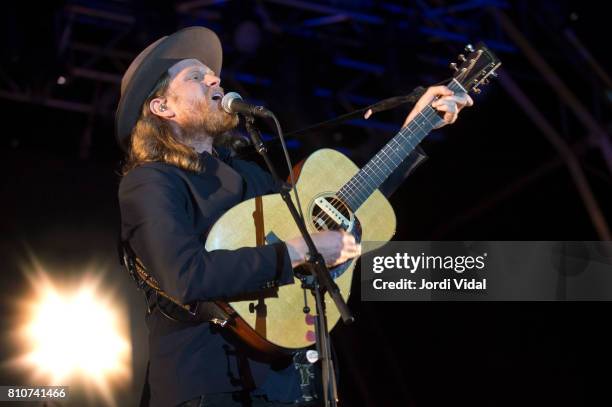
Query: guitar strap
{"x":170,"y":307}
{"x":380,"y":106}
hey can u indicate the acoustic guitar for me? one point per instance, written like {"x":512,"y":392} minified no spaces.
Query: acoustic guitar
{"x":337,"y":195}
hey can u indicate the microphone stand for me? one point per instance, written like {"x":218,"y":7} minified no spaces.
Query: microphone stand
{"x":323,"y":281}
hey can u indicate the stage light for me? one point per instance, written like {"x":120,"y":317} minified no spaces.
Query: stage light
{"x":73,"y":335}
{"x":74,"y":332}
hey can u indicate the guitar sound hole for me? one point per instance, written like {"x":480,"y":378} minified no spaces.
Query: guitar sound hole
{"x":323,"y":220}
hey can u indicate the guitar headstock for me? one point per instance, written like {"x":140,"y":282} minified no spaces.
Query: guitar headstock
{"x":475,"y":68}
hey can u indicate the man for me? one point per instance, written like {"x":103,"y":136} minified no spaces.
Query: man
{"x":176,"y":184}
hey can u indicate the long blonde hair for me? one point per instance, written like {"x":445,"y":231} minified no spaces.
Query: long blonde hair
{"x":153,"y":140}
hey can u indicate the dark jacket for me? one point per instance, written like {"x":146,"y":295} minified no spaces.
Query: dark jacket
{"x":166,"y":214}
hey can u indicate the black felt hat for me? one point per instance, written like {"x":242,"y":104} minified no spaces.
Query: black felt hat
{"x":138,"y":81}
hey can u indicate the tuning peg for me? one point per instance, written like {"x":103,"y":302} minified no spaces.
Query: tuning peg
{"x":453,"y":66}
{"x":485,"y":81}
{"x":476,"y":90}
{"x":461,"y":58}
{"x":494,"y":74}
{"x":469,"y":48}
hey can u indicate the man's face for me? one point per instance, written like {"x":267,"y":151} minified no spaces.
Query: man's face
{"x":194,"y":96}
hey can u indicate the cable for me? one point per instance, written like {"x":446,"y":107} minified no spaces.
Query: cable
{"x":279,"y":130}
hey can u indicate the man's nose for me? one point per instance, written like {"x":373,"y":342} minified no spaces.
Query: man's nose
{"x":212,"y":80}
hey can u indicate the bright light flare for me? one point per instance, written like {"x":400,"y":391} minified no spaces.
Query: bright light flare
{"x":74,"y":335}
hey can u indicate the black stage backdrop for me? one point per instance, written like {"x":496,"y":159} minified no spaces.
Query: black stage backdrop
{"x":491,"y":176}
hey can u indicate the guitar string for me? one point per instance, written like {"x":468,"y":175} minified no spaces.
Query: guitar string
{"x":321,"y":217}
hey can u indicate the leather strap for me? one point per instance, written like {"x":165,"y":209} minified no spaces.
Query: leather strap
{"x":170,"y":307}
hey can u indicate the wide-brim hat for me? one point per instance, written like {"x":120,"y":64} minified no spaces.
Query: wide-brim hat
{"x":147,"y":68}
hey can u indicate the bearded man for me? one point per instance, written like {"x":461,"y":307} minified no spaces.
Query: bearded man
{"x":176,"y":183}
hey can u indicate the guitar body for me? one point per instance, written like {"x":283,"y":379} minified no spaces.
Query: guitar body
{"x":277,"y":316}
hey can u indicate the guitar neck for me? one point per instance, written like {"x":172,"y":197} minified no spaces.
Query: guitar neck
{"x":359,"y":188}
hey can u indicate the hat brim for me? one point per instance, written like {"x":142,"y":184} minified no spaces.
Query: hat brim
{"x":193,"y":42}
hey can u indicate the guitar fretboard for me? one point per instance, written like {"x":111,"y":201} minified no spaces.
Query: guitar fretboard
{"x":359,"y":188}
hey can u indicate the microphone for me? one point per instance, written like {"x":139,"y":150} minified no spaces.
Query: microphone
{"x":233,"y":103}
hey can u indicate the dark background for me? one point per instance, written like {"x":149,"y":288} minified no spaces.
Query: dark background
{"x":491,"y":176}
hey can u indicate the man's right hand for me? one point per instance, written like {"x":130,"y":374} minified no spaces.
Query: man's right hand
{"x":336,"y":247}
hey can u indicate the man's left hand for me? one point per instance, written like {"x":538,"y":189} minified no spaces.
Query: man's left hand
{"x":445,"y":101}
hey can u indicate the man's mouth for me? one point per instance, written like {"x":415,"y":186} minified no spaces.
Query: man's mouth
{"x":217,"y":95}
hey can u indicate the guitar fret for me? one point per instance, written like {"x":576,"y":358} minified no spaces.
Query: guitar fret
{"x":376,"y":168}
{"x":385,"y":162}
{"x":416,"y":122}
{"x":391,"y":153}
{"x":373,"y":171}
{"x":429,"y":119}
{"x":357,"y":192}
{"x":362,"y":175}
{"x":394,"y":160}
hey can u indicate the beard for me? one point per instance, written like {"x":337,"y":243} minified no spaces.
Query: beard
{"x":208,"y":120}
